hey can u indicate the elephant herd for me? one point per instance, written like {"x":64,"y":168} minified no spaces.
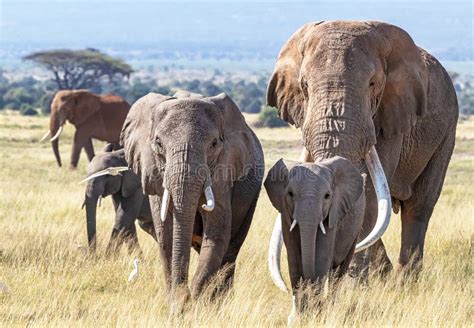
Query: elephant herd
{"x":378,"y":119}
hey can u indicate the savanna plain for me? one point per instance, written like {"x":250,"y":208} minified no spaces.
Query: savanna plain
{"x":53,"y":283}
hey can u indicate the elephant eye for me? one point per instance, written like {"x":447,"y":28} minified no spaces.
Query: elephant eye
{"x":372,"y":83}
{"x":158,"y":142}
{"x":214,"y":143}
{"x":290,"y":193}
{"x":327,"y":195}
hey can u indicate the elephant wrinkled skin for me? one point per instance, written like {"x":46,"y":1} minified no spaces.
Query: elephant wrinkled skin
{"x":353,"y":85}
{"x":127,"y":195}
{"x":182,"y":147}
{"x":98,"y":117}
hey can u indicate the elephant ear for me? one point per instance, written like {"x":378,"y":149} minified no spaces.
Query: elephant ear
{"x":404,"y":98}
{"x":284,"y":91}
{"x":85,"y":105}
{"x":348,"y":186}
{"x":276,"y":182}
{"x":237,"y":137}
{"x":136,"y":140}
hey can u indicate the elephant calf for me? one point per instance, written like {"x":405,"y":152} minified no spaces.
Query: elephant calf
{"x":129,"y":201}
{"x":322,"y":208}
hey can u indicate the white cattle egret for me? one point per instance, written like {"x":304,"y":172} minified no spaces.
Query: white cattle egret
{"x":134,"y":274}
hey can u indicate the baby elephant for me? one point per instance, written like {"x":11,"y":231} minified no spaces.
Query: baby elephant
{"x":108,"y":174}
{"x":322,"y":207}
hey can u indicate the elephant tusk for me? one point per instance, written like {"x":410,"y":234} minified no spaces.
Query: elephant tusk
{"x":114,"y":171}
{"x":165,"y":203}
{"x":383,"y":197}
{"x":321,"y":226}
{"x":293,"y":225}
{"x":274,"y":253}
{"x":56,"y":136}
{"x":99,"y":201}
{"x":45,"y":136}
{"x":210,"y":203}
{"x":293,"y":314}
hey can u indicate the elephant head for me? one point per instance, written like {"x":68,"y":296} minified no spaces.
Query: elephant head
{"x":102,"y":183}
{"x":345,"y":83}
{"x":75,"y":106}
{"x":317,"y":196}
{"x":176,"y":145}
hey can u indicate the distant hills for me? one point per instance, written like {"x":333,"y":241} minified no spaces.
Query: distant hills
{"x":140,"y":30}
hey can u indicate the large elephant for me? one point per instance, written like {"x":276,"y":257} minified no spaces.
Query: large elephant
{"x":364,"y":91}
{"x":98,"y":117}
{"x":104,"y":179}
{"x":195,"y":156}
{"x":306,"y":194}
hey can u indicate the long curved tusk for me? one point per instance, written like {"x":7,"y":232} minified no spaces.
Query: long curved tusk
{"x":108,"y":171}
{"x":274,"y":253}
{"x":45,"y":136}
{"x":165,"y":203}
{"x":383,"y":197}
{"x":210,"y":203}
{"x":56,"y":136}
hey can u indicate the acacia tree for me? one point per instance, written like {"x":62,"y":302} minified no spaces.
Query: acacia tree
{"x":80,"y":69}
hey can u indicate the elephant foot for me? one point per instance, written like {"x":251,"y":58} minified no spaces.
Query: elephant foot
{"x":179,"y":299}
{"x":72,"y":167}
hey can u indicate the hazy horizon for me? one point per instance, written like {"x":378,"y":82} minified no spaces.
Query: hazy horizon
{"x":135,"y":29}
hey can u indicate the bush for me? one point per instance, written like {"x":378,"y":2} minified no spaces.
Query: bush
{"x":45,"y":102}
{"x":28,"y":110}
{"x":268,"y":117}
{"x":17,"y":97}
{"x":254,"y":107}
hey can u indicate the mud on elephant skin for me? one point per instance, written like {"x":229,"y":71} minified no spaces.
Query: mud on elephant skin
{"x":363,"y":91}
{"x":127,"y":195}
{"x":195,"y":156}
{"x":95,"y":117}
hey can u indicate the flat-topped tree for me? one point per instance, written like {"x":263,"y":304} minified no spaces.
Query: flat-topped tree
{"x":80,"y":69}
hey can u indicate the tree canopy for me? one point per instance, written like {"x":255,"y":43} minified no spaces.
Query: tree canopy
{"x":80,"y":69}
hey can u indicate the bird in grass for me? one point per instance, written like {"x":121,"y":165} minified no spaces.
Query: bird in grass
{"x":134,"y":274}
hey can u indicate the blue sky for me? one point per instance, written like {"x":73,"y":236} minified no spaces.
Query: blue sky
{"x":441,"y":27}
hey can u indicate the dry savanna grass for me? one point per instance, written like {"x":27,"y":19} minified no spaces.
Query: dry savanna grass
{"x":52,"y":283}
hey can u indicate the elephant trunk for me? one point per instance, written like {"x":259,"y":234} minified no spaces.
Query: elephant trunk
{"x":338,"y":128}
{"x":185,"y":184}
{"x":56,"y":127}
{"x":91,"y":209}
{"x":308,"y":231}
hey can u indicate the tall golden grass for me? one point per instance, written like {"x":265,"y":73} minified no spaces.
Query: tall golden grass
{"x":53,"y":283}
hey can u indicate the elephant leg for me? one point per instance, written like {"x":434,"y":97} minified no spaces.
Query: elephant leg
{"x":215,"y":242}
{"x":80,"y":139}
{"x":417,"y":210}
{"x":148,"y":227}
{"x":89,"y":148}
{"x":238,"y":238}
{"x":131,"y":239}
{"x":164,"y":235}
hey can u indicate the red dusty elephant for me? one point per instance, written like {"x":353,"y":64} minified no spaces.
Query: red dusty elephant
{"x":99,"y":117}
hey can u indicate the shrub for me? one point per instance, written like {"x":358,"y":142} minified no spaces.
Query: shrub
{"x":28,"y":110}
{"x":45,"y":102}
{"x":268,"y":117}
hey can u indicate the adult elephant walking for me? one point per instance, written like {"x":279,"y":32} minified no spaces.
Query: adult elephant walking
{"x":203,"y":167}
{"x":98,"y":117}
{"x":358,"y":89}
